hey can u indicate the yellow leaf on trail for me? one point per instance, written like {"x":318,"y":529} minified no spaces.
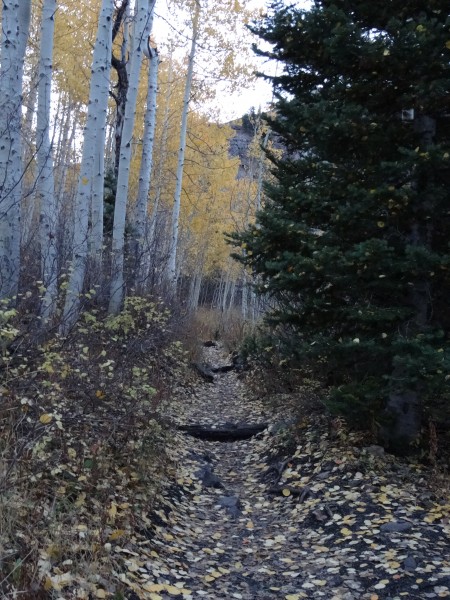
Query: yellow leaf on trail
{"x":293,"y":597}
{"x":153,"y":587}
{"x":173,"y":591}
{"x":286,"y":492}
{"x":80,"y":500}
{"x":112,"y":512}
{"x":116,"y":534}
{"x":345,"y":531}
{"x":100,"y":593}
{"x":45,"y":419}
{"x":209,"y":578}
{"x":447,"y":44}
{"x":48,"y":584}
{"x":154,"y":596}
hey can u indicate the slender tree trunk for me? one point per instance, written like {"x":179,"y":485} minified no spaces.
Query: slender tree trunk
{"x":232,"y":295}
{"x":142,"y":29}
{"x":157,"y":182}
{"x":15,"y":26}
{"x":172,"y":263}
{"x":121,"y":66}
{"x":244,"y":301}
{"x":195,"y":288}
{"x":28,"y":203}
{"x":64,"y":152}
{"x":95,"y":125}
{"x":45,"y":183}
{"x":225,"y":290}
{"x":141,"y":211}
{"x":28,"y":155}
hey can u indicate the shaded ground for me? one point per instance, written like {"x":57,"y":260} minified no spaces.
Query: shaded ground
{"x":326,"y":519}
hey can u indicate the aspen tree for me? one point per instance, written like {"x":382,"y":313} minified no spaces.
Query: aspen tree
{"x":93,"y":143}
{"x":141,"y":209}
{"x":15,"y":25}
{"x":172,"y":263}
{"x":45,"y":181}
{"x":142,"y":29}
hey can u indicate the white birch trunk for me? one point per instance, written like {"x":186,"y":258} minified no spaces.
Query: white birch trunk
{"x":226,"y":289}
{"x":194,"y":289}
{"x":172,"y":262}
{"x":15,"y":26}
{"x":141,"y":210}
{"x":142,"y":29}
{"x":158,"y":178}
{"x":45,"y":182}
{"x":28,"y":203}
{"x":244,"y":295}
{"x":95,"y":125}
{"x":232,"y":295}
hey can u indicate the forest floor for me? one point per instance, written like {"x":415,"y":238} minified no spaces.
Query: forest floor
{"x":327,"y":516}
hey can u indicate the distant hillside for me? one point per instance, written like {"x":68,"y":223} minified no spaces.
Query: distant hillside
{"x":239,"y":145}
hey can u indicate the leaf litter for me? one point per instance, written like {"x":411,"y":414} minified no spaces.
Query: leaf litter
{"x":329,"y":518}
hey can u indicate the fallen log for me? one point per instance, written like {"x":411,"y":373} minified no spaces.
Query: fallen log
{"x":223,"y":369}
{"x":230,"y":433}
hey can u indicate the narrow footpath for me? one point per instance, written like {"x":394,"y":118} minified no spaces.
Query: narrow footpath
{"x":250,"y":520}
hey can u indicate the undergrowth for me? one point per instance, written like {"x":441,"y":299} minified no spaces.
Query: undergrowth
{"x":81,"y":446}
{"x":296,"y":387}
{"x":209,"y":324}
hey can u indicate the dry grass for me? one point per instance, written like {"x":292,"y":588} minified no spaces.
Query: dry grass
{"x":212,"y":324}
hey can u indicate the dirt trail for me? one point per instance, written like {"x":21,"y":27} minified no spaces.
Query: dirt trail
{"x":350,"y":533}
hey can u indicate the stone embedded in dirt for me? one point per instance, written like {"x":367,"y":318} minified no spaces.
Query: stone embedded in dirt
{"x":395,"y":527}
{"x":375,"y":450}
{"x":410,"y":564}
{"x":324,"y":475}
{"x":208,"y":478}
{"x":231,"y":504}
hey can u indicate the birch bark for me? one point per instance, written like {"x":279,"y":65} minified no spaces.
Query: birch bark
{"x":142,"y":29}
{"x":15,"y":26}
{"x":141,"y":211}
{"x":172,"y":262}
{"x":45,"y":181}
{"x":92,"y":140}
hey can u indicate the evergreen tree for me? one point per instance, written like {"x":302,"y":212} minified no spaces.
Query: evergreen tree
{"x":353,"y":242}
